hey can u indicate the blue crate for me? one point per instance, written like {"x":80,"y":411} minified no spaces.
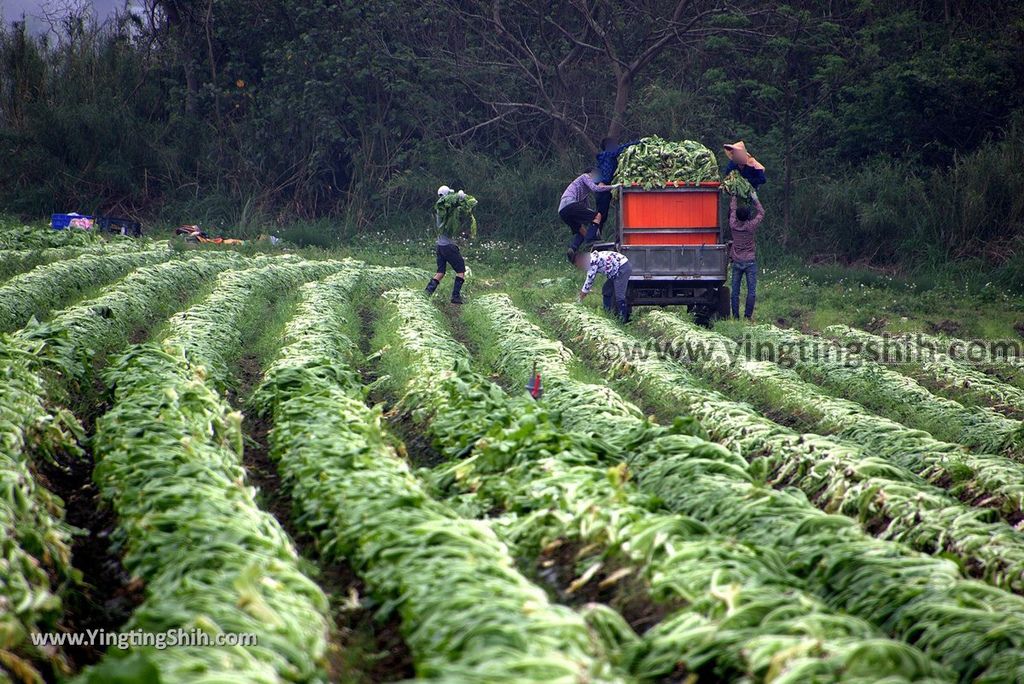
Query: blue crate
{"x":62,"y":221}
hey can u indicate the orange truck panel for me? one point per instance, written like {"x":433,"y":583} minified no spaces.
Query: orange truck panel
{"x":655,"y":237}
{"x":654,"y":209}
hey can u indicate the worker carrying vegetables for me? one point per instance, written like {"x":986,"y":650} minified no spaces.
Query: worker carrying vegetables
{"x":450,"y":210}
{"x":741,"y":161}
{"x":617,"y":269}
{"x":574,"y":209}
{"x":607,"y":161}
{"x":743,"y":222}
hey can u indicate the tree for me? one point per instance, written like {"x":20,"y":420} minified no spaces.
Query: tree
{"x":546,"y":64}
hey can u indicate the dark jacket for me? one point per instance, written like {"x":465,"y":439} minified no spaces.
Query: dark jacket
{"x":754,"y":176}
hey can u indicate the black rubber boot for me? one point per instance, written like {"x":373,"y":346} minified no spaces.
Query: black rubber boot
{"x":457,"y":290}
{"x":432,"y":285}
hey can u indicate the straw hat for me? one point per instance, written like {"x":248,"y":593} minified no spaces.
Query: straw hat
{"x":737,"y":152}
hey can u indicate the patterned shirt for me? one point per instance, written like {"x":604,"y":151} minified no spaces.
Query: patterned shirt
{"x":608,"y":263}
{"x":578,"y":191}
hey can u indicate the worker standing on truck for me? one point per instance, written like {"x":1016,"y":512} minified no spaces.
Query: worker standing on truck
{"x":740,"y":160}
{"x":447,"y":215}
{"x":617,"y":269}
{"x":574,"y":209}
{"x":743,"y":222}
{"x":607,"y":161}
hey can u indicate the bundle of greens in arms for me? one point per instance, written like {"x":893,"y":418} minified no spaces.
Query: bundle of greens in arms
{"x":987,"y":480}
{"x":454,"y":208}
{"x":467,"y":614}
{"x":912,"y":596}
{"x":737,"y":185}
{"x":556,"y":488}
{"x":654,"y":162}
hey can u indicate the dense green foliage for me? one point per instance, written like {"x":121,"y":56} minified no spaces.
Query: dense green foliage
{"x":514,"y":455}
{"x":891,"y":130}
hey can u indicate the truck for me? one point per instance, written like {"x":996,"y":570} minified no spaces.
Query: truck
{"x":674,"y":239}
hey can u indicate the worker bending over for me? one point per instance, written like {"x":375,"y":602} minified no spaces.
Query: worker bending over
{"x":617,"y":269}
{"x":574,"y":209}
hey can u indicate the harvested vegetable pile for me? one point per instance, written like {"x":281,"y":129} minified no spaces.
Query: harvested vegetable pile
{"x":654,"y":162}
{"x":452,"y":209}
{"x":735,"y":184}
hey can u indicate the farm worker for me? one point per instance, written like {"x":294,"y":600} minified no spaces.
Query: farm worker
{"x":741,"y":160}
{"x":447,"y":252}
{"x":617,"y":269}
{"x":607,"y":161}
{"x":574,"y":209}
{"x":743,"y":222}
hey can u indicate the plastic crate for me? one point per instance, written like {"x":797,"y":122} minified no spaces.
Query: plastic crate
{"x":122,"y":226}
{"x":62,"y":221}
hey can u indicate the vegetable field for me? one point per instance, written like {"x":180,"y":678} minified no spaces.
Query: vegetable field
{"x":308,"y":451}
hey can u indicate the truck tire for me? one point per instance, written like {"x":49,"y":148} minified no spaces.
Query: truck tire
{"x":703,"y":315}
{"x":723,"y":302}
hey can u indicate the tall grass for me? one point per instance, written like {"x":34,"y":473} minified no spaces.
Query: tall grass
{"x":892,"y":212}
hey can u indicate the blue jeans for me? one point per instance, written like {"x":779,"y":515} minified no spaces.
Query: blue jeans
{"x":593,"y":233}
{"x":739,"y":269}
{"x":613,"y":293}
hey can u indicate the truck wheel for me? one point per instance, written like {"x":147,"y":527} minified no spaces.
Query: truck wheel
{"x":723,"y":302}
{"x":703,"y":315}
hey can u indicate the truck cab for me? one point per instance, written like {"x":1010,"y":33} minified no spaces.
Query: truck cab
{"x":674,"y":239}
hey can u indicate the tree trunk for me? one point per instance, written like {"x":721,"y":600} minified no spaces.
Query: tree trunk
{"x":623,"y":89}
{"x":787,"y":183}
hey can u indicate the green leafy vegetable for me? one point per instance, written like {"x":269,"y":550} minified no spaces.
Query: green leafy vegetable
{"x":654,"y":162}
{"x":737,"y":185}
{"x":454,"y":208}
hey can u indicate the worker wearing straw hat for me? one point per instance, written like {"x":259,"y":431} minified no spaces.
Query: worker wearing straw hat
{"x":740,"y":160}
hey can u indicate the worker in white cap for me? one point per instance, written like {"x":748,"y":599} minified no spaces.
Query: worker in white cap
{"x":447,"y":220}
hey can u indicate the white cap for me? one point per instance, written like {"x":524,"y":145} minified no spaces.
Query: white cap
{"x":443,"y":190}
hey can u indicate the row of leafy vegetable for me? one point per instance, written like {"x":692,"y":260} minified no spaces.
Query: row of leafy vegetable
{"x":35,"y":542}
{"x":937,"y":371}
{"x":168,"y":460}
{"x":988,"y":480}
{"x":38,"y":359}
{"x":974,"y":628}
{"x":35,"y":237}
{"x":466,"y":613}
{"x":48,"y":285}
{"x":838,"y":475}
{"x":888,"y":392}
{"x":1000,"y":360}
{"x":15,"y":261}
{"x":739,"y":612}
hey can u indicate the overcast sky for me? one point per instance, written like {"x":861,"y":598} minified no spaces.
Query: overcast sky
{"x":12,"y":10}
